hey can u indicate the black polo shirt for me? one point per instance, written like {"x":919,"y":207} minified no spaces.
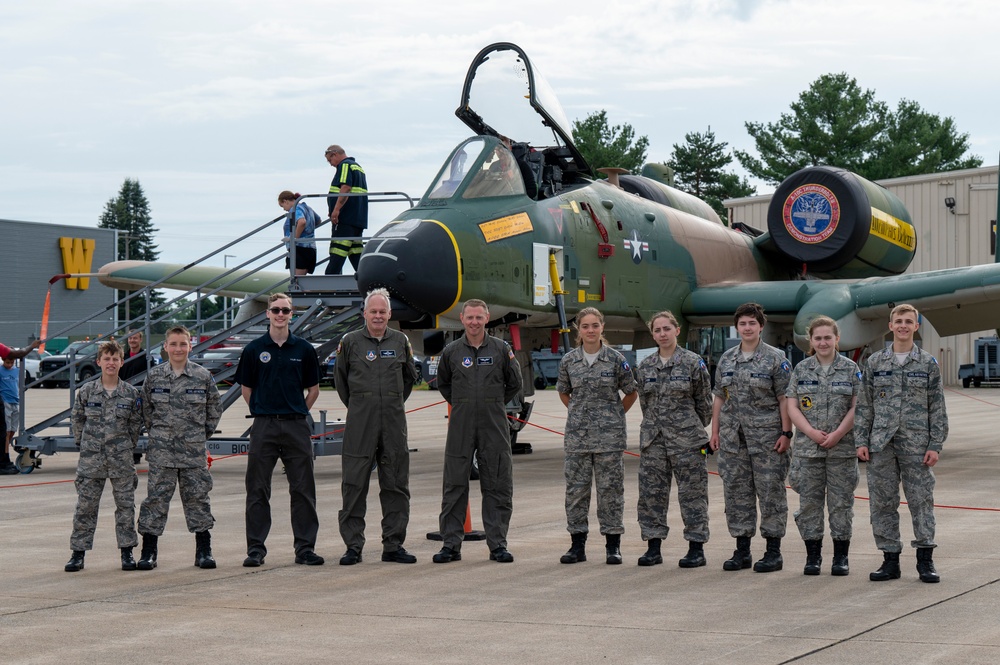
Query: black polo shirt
{"x":278,"y":375}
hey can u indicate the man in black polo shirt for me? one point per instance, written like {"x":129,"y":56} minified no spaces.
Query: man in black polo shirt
{"x":274,"y":371}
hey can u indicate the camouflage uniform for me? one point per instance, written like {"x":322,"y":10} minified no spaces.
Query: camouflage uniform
{"x":478,"y":382}
{"x":181,"y":413}
{"x":900,"y":416}
{"x":676,"y":401}
{"x":819,"y":474}
{"x":595,"y":436}
{"x":749,"y":428}
{"x":106,"y":428}
{"x":373,"y":379}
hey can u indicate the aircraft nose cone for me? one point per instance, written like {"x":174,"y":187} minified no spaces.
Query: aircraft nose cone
{"x":417,"y":261}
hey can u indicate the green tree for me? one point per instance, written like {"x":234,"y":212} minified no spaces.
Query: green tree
{"x":698,"y":167}
{"x":129,"y":213}
{"x":605,"y":146}
{"x":837,"y":123}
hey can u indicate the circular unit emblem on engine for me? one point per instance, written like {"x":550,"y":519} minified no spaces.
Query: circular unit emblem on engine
{"x":811,"y":214}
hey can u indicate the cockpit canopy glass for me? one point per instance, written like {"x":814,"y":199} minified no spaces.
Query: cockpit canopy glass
{"x":487,"y":166}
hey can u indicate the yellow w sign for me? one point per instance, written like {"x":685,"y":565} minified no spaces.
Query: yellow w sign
{"x":77,"y":255}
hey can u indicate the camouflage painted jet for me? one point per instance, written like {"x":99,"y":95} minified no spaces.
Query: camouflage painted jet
{"x":515,"y":217}
{"x":518,"y":197}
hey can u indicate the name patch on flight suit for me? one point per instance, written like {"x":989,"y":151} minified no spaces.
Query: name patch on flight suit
{"x":387,"y":354}
{"x":649,"y":379}
{"x":916,"y":375}
{"x":607,"y":373}
{"x":484,"y":361}
{"x":160,"y":391}
{"x":195,"y":391}
{"x":840,"y":383}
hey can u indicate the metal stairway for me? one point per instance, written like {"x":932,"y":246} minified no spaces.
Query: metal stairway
{"x":328,"y":306}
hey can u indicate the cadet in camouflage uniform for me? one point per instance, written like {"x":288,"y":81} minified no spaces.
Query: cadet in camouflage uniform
{"x":821,"y":398}
{"x":900,"y":429}
{"x":752,"y":432}
{"x":675,"y":394}
{"x":477,"y":375}
{"x":591,"y":376}
{"x":106,"y":426}
{"x":181,"y":407}
{"x":374,"y":375}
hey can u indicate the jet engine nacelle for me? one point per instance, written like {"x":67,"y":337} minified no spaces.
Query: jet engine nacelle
{"x":834,"y":223}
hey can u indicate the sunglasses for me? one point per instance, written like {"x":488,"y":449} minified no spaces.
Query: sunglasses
{"x":281,"y":310}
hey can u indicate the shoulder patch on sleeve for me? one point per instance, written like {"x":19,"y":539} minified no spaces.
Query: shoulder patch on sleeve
{"x":625,"y":365}
{"x":786,"y":366}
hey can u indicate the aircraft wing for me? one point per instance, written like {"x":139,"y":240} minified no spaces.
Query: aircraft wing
{"x":954,"y":300}
{"x":134,"y":275}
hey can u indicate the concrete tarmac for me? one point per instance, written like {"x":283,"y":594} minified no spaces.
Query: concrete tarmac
{"x":534,"y":610}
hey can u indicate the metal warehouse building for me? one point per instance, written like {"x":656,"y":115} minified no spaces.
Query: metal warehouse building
{"x":954,"y":215}
{"x":32,"y":254}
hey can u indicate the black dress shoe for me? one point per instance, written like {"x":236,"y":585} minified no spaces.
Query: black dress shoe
{"x":309,"y":558}
{"x":254,"y":560}
{"x":501,"y":555}
{"x":350,"y":558}
{"x":399,"y":556}
{"x":447,"y":554}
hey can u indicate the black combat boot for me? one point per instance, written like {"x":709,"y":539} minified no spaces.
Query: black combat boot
{"x":840,"y":565}
{"x":652,"y":556}
{"x":741,"y":556}
{"x":613,"y":548}
{"x":925,"y":565}
{"x":75,"y":562}
{"x":147,"y":560}
{"x":128,"y":561}
{"x":814,"y":558}
{"x":695,"y":557}
{"x":889,"y":569}
{"x":203,"y":550}
{"x":771,"y":560}
{"x":577,"y":551}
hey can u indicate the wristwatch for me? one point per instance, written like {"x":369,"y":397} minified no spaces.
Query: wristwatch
{"x":788,"y":434}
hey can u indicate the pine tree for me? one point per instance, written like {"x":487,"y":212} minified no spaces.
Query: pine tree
{"x":129,"y":214}
{"x":605,"y":146}
{"x":699,"y":170}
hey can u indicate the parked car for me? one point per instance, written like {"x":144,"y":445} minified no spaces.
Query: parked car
{"x":32,"y":363}
{"x":83,"y":353}
{"x":219,"y":359}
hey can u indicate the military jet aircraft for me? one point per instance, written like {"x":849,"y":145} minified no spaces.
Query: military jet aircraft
{"x":518,"y":199}
{"x":515,"y":217}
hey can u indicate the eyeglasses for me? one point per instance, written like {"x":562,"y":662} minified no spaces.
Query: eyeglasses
{"x":281,"y":310}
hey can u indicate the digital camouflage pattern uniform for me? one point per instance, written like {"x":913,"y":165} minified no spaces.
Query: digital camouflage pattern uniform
{"x":595,"y":436}
{"x":900,"y":416}
{"x":819,"y":474}
{"x":749,"y":428}
{"x":478,"y":383}
{"x":373,"y":379}
{"x":676,"y":401}
{"x":106,"y":428}
{"x":180,"y":413}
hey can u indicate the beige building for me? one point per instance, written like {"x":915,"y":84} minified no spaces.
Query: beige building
{"x":954,"y":215}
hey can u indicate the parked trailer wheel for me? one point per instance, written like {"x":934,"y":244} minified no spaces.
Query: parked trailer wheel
{"x":26,"y":461}
{"x":966,"y":382}
{"x":977,"y":382}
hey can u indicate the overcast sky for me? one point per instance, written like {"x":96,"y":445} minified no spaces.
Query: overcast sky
{"x":217,"y":106}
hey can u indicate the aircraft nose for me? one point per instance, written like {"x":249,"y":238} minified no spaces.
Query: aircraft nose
{"x":417,"y":261}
